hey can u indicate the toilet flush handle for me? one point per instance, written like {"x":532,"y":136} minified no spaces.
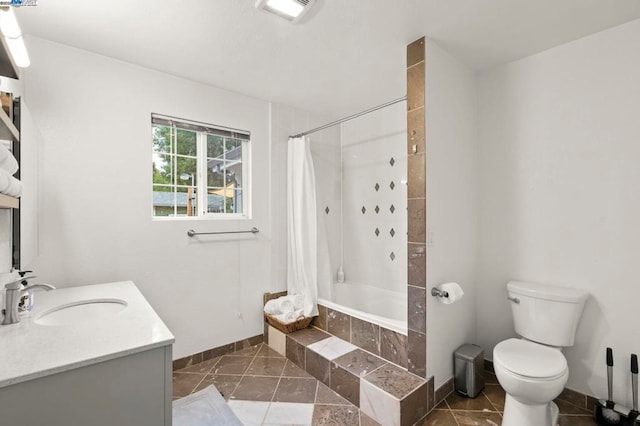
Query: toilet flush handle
{"x":514,"y":299}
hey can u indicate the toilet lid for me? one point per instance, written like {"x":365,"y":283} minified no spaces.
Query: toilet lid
{"x":529,"y":359}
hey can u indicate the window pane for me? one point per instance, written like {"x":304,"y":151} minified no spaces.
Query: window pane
{"x":163,"y":200}
{"x":215,"y":145}
{"x":215,"y":200}
{"x":187,"y":201}
{"x":214,"y":172}
{"x":161,"y":136}
{"x":187,"y":171}
{"x":224,"y":200}
{"x":233,"y":149}
{"x":162,"y":168}
{"x":186,"y":143}
{"x":234,"y":174}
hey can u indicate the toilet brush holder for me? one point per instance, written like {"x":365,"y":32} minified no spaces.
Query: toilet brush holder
{"x":608,"y":412}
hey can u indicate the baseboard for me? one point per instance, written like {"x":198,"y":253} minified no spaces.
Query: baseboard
{"x":199,"y":357}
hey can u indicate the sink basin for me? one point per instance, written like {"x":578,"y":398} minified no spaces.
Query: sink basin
{"x":81,"y":311}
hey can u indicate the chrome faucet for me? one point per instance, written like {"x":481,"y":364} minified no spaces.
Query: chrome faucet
{"x":12,"y":297}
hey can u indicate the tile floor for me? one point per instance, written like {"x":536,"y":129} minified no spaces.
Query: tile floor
{"x":264,"y":388}
{"x":487,"y":408}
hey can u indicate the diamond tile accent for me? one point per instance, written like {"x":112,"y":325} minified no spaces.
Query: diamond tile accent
{"x":392,"y":209}
{"x":377,"y":209}
{"x":392,"y":185}
{"x":377,"y":187}
{"x":392,"y":256}
{"x":363,"y":210}
{"x":377,"y":231}
{"x":326,"y":210}
{"x":392,"y":232}
{"x":392,"y":161}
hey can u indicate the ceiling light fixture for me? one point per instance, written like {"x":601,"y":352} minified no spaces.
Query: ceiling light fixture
{"x":291,"y":10}
{"x":13,"y":37}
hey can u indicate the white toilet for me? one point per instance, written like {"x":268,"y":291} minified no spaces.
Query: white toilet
{"x":532,"y":370}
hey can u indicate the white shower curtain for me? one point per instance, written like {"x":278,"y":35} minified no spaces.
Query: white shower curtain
{"x":302,"y":261}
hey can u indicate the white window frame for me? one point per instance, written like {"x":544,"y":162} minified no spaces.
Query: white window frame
{"x":201,"y":169}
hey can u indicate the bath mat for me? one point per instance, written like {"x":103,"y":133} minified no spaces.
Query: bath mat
{"x":204,"y":408}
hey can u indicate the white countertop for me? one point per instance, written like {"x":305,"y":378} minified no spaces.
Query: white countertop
{"x":29,"y":350}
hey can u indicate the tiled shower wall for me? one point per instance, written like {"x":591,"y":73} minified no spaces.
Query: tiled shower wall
{"x":374,"y":216}
{"x":417,"y":210}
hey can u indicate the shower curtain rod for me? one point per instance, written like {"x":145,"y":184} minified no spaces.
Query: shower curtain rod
{"x":351,"y":117}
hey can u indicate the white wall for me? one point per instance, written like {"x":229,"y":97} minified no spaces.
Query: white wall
{"x":451,"y":134}
{"x":96,"y":225}
{"x":559,"y":200}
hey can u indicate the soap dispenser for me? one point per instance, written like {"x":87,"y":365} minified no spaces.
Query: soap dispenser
{"x":25,"y":304}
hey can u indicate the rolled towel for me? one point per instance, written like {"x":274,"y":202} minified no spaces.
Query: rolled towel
{"x":272,"y":307}
{"x":289,"y":317}
{"x":285,"y":305}
{"x":7,"y":160}
{"x":10,"y":185}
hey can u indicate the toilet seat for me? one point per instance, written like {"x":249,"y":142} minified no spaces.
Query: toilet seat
{"x":530,"y":360}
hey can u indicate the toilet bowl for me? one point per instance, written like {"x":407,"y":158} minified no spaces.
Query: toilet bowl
{"x":532,"y":369}
{"x":532,"y":375}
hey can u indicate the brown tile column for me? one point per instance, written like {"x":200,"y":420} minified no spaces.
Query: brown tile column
{"x":417,"y":210}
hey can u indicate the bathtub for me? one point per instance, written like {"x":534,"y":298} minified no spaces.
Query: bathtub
{"x":383,"y":307}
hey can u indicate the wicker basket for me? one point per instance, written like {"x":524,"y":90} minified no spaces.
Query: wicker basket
{"x":288,"y":328}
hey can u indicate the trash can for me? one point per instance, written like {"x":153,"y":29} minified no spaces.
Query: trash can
{"x":468,"y":368}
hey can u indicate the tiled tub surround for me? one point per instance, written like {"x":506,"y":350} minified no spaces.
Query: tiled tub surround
{"x":417,"y":210}
{"x":370,"y":303}
{"x":383,"y":391}
{"x":389,"y":344}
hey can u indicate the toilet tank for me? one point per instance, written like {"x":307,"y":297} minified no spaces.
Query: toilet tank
{"x":546,"y":314}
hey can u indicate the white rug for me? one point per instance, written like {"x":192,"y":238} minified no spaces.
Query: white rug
{"x":204,"y":408}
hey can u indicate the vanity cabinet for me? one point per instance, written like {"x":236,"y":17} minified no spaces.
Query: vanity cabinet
{"x":73,"y":362}
{"x":133,"y":390}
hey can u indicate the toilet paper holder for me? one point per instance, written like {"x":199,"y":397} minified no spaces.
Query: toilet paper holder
{"x":436,"y":292}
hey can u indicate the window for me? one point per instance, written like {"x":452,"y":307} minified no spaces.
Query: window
{"x":198,"y":169}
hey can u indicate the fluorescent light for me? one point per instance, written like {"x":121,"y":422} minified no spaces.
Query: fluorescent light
{"x":288,"y":7}
{"x":13,"y":36}
{"x":18,"y":51}
{"x":9,"y":23}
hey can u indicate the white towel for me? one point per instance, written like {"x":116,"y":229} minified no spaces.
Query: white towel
{"x":284,"y":304}
{"x":289,"y":317}
{"x":272,"y":307}
{"x":10,"y":185}
{"x":7,"y":160}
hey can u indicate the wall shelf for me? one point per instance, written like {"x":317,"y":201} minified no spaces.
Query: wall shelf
{"x":7,"y":202}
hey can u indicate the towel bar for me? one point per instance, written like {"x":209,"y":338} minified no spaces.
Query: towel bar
{"x":192,"y":233}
